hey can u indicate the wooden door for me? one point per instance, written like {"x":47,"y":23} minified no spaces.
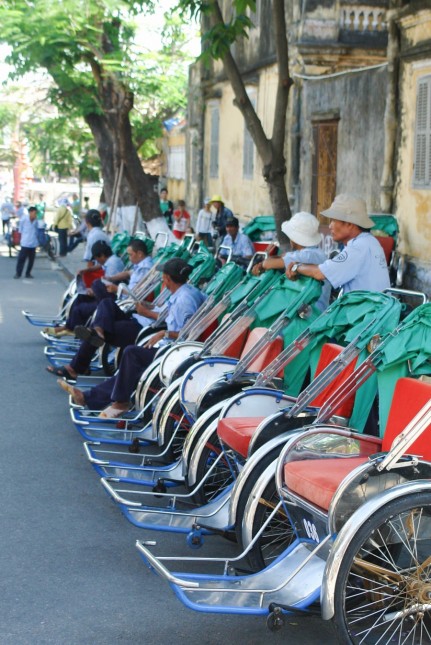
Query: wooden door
{"x":324,"y":166}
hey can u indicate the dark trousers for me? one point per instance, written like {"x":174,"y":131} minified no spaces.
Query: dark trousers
{"x":62,"y":240}
{"x":120,"y":387}
{"x":119,"y":328}
{"x":5,"y":226}
{"x":26,"y":253}
{"x":84,"y":306}
{"x":73,"y":242}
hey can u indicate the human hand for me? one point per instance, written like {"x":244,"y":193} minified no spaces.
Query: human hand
{"x":110,"y":287}
{"x":155,"y":339}
{"x":292,"y":275}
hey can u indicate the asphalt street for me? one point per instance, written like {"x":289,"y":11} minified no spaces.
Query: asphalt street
{"x":70,"y":572}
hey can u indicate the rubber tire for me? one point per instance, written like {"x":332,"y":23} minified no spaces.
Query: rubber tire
{"x":175,"y":414}
{"x":257,"y":557}
{"x":362,"y":534}
{"x":222,"y":474}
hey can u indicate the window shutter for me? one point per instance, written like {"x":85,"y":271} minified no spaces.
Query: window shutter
{"x":422,"y":155}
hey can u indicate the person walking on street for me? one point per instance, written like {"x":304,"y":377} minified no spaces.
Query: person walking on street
{"x":361,"y":264}
{"x":62,"y":223}
{"x":29,"y":241}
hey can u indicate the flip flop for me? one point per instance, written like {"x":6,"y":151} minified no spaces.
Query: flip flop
{"x":60,"y":371}
{"x":89,"y":334}
{"x":111,"y":413}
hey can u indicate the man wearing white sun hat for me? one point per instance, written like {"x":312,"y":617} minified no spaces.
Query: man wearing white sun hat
{"x":303,"y":232}
{"x":361,"y":264}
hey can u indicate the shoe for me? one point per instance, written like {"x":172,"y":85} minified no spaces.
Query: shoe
{"x":29,"y":276}
{"x":90,"y":335}
{"x":16,"y":276}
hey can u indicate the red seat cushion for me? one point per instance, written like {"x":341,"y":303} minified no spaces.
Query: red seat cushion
{"x":388,"y":245}
{"x":317,"y":479}
{"x":236,"y":432}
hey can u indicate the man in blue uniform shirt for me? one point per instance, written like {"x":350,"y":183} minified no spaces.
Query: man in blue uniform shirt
{"x":361,"y":264}
{"x":240,"y":243}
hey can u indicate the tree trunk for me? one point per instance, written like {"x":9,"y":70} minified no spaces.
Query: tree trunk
{"x":271,"y":151}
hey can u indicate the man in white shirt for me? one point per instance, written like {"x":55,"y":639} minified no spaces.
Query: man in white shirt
{"x":29,"y":242}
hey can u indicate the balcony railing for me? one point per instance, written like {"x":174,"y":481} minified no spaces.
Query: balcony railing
{"x":363,"y":19}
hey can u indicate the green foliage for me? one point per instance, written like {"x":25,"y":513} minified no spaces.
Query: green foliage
{"x":83,"y":45}
{"x":63,"y":146}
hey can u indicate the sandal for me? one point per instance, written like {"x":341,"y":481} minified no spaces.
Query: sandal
{"x":112,"y":413}
{"x":89,"y":334}
{"x":60,"y":371}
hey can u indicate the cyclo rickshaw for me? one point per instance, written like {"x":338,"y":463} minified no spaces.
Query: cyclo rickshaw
{"x":358,"y":510}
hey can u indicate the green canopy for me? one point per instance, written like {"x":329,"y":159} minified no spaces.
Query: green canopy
{"x":259,"y":226}
{"x":356,"y":316}
{"x":385,"y":223}
{"x":251,"y":287}
{"x":405,"y":352}
{"x":225,"y":279}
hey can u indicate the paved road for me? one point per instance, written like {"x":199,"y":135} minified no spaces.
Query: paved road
{"x":70,"y":573}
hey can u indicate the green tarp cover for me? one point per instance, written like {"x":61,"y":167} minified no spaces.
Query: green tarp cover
{"x":287,"y":293}
{"x":291,"y":295}
{"x":259,"y":225}
{"x":203,"y":267}
{"x":254,"y":286}
{"x":406,"y":352}
{"x":225,"y":279}
{"x":358,"y":312}
{"x":120,"y":242}
{"x":386,"y":223}
{"x":149,"y":243}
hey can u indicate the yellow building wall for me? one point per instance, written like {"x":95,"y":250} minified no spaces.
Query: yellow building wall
{"x":245,"y":197}
{"x":413,"y":206}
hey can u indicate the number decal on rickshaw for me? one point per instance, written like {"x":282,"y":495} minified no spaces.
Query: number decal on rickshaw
{"x":311,"y":530}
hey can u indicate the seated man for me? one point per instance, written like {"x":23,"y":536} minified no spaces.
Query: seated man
{"x":240,"y":243}
{"x":85,"y":304}
{"x":117,"y":391}
{"x":361,"y":265}
{"x":120,"y":328}
{"x":303,"y":232}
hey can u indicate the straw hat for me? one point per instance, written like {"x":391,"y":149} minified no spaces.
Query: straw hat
{"x":303,"y":229}
{"x":349,"y":208}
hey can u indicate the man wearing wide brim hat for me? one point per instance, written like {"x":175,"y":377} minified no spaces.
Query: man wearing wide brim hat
{"x":222,"y":214}
{"x":303,"y":232}
{"x":361,"y":264}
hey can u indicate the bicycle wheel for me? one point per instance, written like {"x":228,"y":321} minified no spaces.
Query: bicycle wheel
{"x":176,"y":427}
{"x":383,"y":588}
{"x":278,"y":534}
{"x":221,"y":476}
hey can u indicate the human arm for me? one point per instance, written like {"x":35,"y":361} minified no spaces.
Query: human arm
{"x":161,"y":335}
{"x":267,"y":265}
{"x":308,"y":270}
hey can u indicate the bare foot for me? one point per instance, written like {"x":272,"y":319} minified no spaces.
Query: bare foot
{"x":76,"y":394}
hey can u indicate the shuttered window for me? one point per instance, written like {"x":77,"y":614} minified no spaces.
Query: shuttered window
{"x":422,"y":158}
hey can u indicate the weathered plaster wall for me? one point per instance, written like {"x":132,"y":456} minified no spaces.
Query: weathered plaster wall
{"x":358,"y":99}
{"x":413,"y":206}
{"x":243,"y":196}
